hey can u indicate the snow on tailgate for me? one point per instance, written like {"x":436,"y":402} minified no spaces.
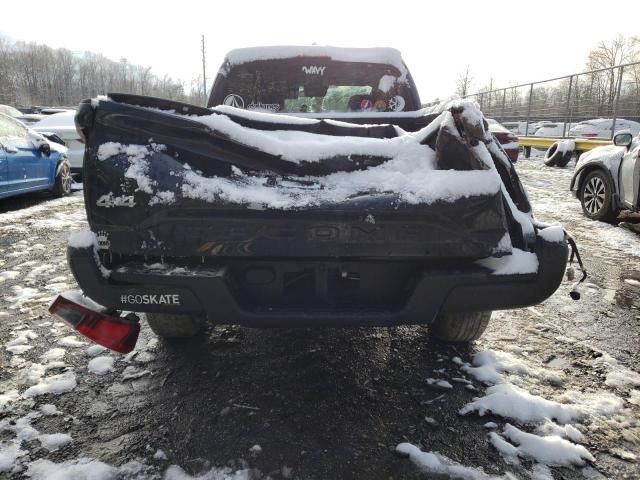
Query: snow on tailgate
{"x":410,"y":173}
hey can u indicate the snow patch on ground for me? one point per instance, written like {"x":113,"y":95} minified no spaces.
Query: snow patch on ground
{"x":101,"y":365}
{"x":55,"y":384}
{"x":71,"y":341}
{"x":549,"y":450}
{"x":94,"y":350}
{"x":435,"y":463}
{"x":509,"y":401}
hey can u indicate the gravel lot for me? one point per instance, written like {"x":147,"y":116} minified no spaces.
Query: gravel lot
{"x":310,"y":403}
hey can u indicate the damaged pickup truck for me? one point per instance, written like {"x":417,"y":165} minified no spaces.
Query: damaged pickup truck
{"x":313,"y":192}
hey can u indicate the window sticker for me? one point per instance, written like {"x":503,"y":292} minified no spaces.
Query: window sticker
{"x":366,"y":105}
{"x":270,"y":107}
{"x":397,"y":103}
{"x":380,"y":105}
{"x":314,"y":70}
{"x":234,"y":100}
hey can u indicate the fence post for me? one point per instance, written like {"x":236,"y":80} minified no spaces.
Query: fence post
{"x":615,"y":105}
{"x":504,"y":101}
{"x":566,"y":112}
{"x":526,"y":128}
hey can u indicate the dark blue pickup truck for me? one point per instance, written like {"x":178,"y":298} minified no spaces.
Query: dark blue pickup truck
{"x":313,"y":191}
{"x":29,"y":162}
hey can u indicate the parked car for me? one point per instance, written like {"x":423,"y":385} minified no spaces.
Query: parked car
{"x":601,"y":128}
{"x":54,"y":110}
{"x":26,"y":118}
{"x":29,"y":162}
{"x":552,"y":129}
{"x":507,"y":139}
{"x":520,"y":128}
{"x":63,"y":126}
{"x":607,"y":179}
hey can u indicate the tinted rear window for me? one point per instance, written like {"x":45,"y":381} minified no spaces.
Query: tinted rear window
{"x":314,"y":85}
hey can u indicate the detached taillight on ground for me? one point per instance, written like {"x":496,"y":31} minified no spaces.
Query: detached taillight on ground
{"x":115,"y":333}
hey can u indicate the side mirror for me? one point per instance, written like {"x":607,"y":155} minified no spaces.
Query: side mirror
{"x":40,"y":142}
{"x":623,"y":140}
{"x":45,"y":148}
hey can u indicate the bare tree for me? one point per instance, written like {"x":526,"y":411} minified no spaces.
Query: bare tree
{"x":606,"y":55}
{"x":463,"y":83}
{"x":32,"y":74}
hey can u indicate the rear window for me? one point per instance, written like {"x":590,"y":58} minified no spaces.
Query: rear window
{"x":314,"y":85}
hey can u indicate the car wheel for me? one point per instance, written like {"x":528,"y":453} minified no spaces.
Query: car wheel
{"x":460,"y":327}
{"x":62,"y":185}
{"x":596,"y":197}
{"x":169,"y":325}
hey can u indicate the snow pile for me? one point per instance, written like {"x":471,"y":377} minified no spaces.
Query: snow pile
{"x":95,"y":350}
{"x":54,"y":441}
{"x":509,"y":401}
{"x":176,"y":473}
{"x":553,"y":234}
{"x":519,"y":262}
{"x":71,"y":341}
{"x":435,"y":463}
{"x":489,"y":365}
{"x":555,"y":440}
{"x":55,"y":384}
{"x":8,"y":275}
{"x":101,"y":365}
{"x":80,"y":469}
{"x":53,"y":354}
{"x":82,"y":239}
{"x":618,"y":376}
{"x":409,"y":182}
{"x":8,"y":397}
{"x":10,"y":449}
{"x":20,"y":295}
{"x":550,"y":450}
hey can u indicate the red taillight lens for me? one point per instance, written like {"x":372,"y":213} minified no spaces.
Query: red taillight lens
{"x":589,"y":135}
{"x":115,"y":333}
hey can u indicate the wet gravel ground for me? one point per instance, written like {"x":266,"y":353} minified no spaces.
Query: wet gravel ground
{"x":320,"y":403}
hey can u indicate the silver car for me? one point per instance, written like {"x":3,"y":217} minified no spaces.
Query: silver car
{"x":63,"y":125}
{"x":607,"y":179}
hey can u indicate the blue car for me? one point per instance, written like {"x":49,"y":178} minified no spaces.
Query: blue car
{"x":29,"y":162}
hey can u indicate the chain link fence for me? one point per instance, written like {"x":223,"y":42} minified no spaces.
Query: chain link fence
{"x":611,"y":93}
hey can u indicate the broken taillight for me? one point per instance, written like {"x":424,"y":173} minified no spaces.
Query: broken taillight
{"x":115,"y":333}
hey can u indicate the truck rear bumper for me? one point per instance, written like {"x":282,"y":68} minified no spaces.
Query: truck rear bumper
{"x":210,"y":292}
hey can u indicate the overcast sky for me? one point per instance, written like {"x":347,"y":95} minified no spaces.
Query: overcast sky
{"x":510,"y":41}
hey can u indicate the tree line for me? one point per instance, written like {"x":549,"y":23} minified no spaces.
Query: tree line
{"x":34,"y":74}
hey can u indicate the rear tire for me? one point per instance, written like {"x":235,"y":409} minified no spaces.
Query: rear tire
{"x":62,"y":185}
{"x":460,"y":327}
{"x":596,"y":197}
{"x":170,"y":325}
